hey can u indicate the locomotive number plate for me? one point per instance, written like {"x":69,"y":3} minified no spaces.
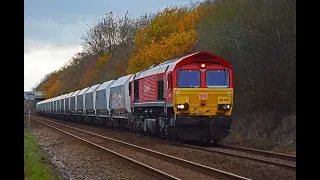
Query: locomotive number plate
{"x":203,"y":96}
{"x":223,"y":100}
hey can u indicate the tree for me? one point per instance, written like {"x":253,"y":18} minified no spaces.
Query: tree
{"x":171,"y":34}
{"x":258,"y":37}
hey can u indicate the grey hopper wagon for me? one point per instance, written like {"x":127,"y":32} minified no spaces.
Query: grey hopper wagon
{"x":58,"y":104}
{"x":73,"y":102}
{"x":67,"y":102}
{"x":50,"y":105}
{"x":119,"y":95}
{"x":81,"y":101}
{"x":39,"y":106}
{"x":63,"y":103}
{"x":102,"y":98}
{"x":55,"y":104}
{"x":45,"y":106}
{"x":90,"y":99}
{"x":42,"y":106}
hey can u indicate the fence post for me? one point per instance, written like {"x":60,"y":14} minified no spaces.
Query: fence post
{"x":29,"y":115}
{"x":29,"y":97}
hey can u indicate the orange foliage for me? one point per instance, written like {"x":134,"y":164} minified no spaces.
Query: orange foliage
{"x":54,"y":90}
{"x":103,"y":61}
{"x":52,"y":86}
{"x":170,"y":35}
{"x":89,"y":76}
{"x":119,"y":67}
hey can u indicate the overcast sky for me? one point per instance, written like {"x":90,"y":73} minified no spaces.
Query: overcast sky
{"x":52,"y":29}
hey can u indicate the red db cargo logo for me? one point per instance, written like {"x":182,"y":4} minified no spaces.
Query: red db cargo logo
{"x":203,"y":96}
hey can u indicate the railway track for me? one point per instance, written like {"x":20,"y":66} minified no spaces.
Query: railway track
{"x":272,"y":158}
{"x":254,"y":155}
{"x":162,"y":165}
{"x":276,"y":159}
{"x":288,"y":157}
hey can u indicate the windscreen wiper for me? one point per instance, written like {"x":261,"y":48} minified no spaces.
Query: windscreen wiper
{"x":225,"y":76}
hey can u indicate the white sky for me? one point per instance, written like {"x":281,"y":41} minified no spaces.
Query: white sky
{"x":42,"y":59}
{"x":52,"y":29}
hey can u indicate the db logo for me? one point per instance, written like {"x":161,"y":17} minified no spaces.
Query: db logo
{"x":203,"y":96}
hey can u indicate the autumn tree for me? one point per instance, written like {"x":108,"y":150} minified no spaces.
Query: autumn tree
{"x":51,"y":85}
{"x":112,"y":40}
{"x":260,"y":43}
{"x":171,"y":34}
{"x":89,"y":76}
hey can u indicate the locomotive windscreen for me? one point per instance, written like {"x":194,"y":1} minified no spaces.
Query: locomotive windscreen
{"x":188,"y":78}
{"x":217,"y":78}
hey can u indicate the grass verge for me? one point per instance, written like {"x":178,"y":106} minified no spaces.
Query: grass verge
{"x":264,"y":131}
{"x":36,"y":164}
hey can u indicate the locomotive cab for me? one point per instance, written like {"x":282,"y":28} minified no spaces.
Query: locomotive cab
{"x":203,"y":99}
{"x":203,"y":92}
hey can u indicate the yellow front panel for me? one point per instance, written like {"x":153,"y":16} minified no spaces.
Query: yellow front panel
{"x":209,"y":97}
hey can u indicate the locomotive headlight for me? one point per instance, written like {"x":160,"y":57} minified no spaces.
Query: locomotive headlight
{"x":224,"y":107}
{"x":182,"y":106}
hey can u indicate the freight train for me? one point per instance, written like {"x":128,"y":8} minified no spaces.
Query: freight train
{"x":188,"y":98}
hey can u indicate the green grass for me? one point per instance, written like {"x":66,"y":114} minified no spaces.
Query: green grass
{"x":36,"y":164}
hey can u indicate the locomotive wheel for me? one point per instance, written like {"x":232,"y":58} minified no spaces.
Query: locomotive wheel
{"x":216,"y":142}
{"x":164,"y":132}
{"x":173,"y":134}
{"x":205,"y":143}
{"x":136,"y":126}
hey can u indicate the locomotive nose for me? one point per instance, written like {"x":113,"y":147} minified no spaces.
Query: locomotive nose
{"x":203,"y":101}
